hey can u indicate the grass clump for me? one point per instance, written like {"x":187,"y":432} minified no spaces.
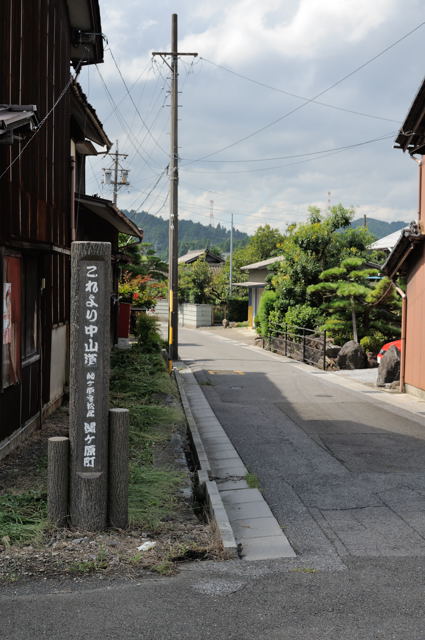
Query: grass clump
{"x":152,"y":495}
{"x":23,"y":517}
{"x":252,"y":481}
{"x":140,"y":383}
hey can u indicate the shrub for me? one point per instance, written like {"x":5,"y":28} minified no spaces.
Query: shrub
{"x":237,"y":309}
{"x":266,"y":306}
{"x":147,"y":333}
{"x":302,"y":315}
{"x":373,"y":343}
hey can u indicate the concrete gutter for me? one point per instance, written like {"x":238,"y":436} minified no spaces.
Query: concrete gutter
{"x":206,"y":487}
{"x":243,"y":520}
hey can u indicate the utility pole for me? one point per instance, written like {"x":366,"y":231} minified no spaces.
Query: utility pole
{"x":173,"y":317}
{"x":115,"y":168}
{"x":231,"y":256}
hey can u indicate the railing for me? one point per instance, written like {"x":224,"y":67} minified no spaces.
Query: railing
{"x":298,"y":343}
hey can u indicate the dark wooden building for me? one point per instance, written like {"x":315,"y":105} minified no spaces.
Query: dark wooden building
{"x":46,"y":132}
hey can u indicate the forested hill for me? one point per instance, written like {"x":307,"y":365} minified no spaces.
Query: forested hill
{"x":380,"y":228}
{"x":192,"y":235}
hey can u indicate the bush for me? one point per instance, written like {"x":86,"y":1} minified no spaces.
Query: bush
{"x":237,"y":309}
{"x":267,"y":302}
{"x":373,"y":343}
{"x":302,"y":315}
{"x":147,"y":333}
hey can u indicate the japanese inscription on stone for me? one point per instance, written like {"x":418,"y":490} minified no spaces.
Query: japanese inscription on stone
{"x":91,"y":285}
{"x":89,"y":381}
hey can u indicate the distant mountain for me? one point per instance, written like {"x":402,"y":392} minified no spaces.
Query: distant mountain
{"x":192,"y":235}
{"x":380,"y":228}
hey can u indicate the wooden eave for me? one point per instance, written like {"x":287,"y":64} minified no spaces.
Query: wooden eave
{"x":86,"y":31}
{"x":87,"y":119}
{"x":106,"y":210}
{"x":411,"y":137}
{"x":397,"y":263}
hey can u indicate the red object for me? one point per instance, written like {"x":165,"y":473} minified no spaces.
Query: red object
{"x":387,"y":345}
{"x":124,"y":312}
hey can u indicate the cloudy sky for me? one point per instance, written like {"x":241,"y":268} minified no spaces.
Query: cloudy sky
{"x":251,"y":142}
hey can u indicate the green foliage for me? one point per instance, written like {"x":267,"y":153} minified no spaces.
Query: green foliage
{"x":237,"y":309}
{"x":267,"y":303}
{"x":139,"y":382}
{"x":264,"y":243}
{"x":302,"y":315}
{"x":147,"y":333}
{"x":373,"y":342}
{"x":142,"y":279}
{"x":152,"y":495}
{"x":192,"y":235}
{"x":23,"y":517}
{"x":252,"y":481}
{"x":313,"y":247}
{"x":353,"y":303}
{"x":195,"y":282}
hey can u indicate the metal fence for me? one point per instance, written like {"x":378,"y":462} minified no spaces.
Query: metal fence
{"x":298,"y":343}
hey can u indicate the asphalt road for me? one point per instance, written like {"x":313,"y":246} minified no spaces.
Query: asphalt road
{"x":343,"y":473}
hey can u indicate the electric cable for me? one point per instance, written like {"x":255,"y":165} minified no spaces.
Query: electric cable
{"x":310,"y":100}
{"x":124,"y":124}
{"x":324,"y":154}
{"x":46,"y":117}
{"x":135,"y":106}
{"x":310,"y":153}
{"x":295,"y":95}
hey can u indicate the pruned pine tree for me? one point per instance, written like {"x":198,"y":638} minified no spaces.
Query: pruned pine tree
{"x":354,"y":302}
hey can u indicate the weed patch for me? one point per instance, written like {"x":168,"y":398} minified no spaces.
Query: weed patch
{"x":23,"y":516}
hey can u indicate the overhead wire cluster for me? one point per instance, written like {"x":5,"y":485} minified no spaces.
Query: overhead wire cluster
{"x":148,"y":146}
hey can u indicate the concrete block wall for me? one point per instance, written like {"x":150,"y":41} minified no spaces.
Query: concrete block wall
{"x":190,"y":315}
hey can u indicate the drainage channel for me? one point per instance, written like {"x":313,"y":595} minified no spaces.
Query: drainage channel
{"x":242,"y":518}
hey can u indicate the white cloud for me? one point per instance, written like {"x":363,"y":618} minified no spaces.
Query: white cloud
{"x":298,"y":45}
{"x":247,"y":28}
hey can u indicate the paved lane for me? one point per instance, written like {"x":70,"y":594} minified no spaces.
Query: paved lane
{"x":342,"y":470}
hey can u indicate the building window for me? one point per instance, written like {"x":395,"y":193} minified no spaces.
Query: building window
{"x":30,"y":308}
{"x":11,"y":322}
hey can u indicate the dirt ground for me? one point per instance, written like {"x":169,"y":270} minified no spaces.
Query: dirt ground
{"x":69,"y":552}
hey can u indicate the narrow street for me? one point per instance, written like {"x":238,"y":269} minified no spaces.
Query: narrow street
{"x":342,"y":471}
{"x":342,"y":467}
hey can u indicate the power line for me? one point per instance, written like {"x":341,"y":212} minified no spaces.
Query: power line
{"x":135,"y":106}
{"x":294,"y":95}
{"x":124,"y":124}
{"x":46,"y":117}
{"x":310,"y":100}
{"x":132,"y":86}
{"x":303,"y":155}
{"x":324,"y":154}
{"x":161,"y":175}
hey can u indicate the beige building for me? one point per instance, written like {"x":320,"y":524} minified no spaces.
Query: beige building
{"x":256,"y":283}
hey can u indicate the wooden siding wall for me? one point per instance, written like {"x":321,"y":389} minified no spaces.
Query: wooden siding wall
{"x":35,"y":193}
{"x":415,"y":334}
{"x":34,"y":68}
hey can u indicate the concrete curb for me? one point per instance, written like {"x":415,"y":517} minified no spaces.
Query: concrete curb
{"x":207,"y":487}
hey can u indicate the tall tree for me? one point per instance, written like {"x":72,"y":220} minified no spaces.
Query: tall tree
{"x":353,"y":301}
{"x":310,"y":248}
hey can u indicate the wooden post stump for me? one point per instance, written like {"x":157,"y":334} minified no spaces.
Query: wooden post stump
{"x":118,"y":467}
{"x":58,"y":480}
